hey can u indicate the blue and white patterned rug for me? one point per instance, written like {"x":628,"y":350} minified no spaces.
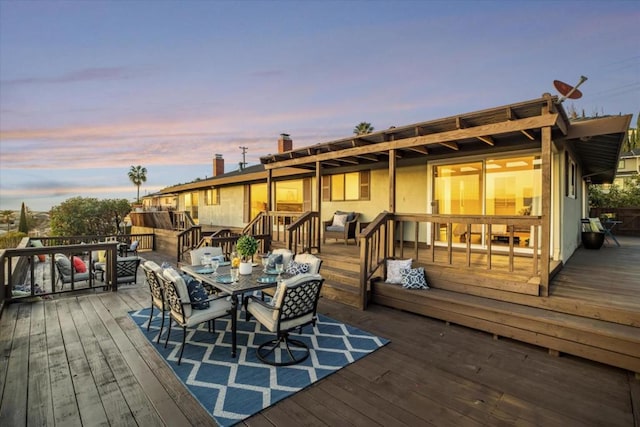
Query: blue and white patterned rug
{"x":232,"y":389}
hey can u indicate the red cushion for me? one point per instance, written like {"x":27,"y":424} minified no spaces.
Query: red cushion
{"x":79,"y":265}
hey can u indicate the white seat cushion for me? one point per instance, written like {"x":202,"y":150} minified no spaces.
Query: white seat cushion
{"x":181,"y":289}
{"x":217,"y":308}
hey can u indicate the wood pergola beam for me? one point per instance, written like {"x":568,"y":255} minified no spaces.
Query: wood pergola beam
{"x":487,"y":140}
{"x":450,"y":144}
{"x":422,"y":150}
{"x":426,"y":140}
{"x":511,"y":115}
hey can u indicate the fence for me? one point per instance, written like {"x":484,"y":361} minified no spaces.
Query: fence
{"x":629,"y":219}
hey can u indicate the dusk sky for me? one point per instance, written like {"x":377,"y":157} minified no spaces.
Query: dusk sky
{"x":90,"y":88}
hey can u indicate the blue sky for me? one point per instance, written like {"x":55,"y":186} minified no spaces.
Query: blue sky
{"x":90,"y":88}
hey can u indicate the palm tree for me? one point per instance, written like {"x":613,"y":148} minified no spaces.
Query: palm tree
{"x":363,"y":128}
{"x":138,"y":175}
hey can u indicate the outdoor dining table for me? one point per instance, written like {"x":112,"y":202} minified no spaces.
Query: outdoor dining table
{"x":245,"y":284}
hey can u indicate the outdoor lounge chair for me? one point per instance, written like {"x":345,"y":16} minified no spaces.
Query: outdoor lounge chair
{"x":293,"y":307}
{"x":343,"y":225}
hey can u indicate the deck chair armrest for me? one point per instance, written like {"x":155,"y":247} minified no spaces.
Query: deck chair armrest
{"x":258,"y":301}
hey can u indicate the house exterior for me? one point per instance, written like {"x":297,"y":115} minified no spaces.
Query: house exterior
{"x":628,"y":166}
{"x":513,"y":174}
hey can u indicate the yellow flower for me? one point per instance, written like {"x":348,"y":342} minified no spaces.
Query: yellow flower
{"x":235,"y":263}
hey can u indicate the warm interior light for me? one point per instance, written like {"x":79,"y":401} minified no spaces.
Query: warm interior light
{"x":517,"y":163}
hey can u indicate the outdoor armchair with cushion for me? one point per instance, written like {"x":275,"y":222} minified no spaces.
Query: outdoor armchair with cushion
{"x":312,"y":261}
{"x":183,"y":311}
{"x":343,"y":225}
{"x":293,"y":307}
{"x":66,"y":271}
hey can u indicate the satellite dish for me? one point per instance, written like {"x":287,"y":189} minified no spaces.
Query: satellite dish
{"x":568,"y":91}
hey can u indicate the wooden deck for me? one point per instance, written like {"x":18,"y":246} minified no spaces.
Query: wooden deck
{"x":79,"y":360}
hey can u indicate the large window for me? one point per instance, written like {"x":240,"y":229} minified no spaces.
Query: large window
{"x":346,"y":186}
{"x":502,"y":186}
{"x":191,"y":205}
{"x":212,"y":197}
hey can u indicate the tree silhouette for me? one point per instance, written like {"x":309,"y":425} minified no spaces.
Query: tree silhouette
{"x":22,"y":225}
{"x":138,"y":175}
{"x":363,"y":128}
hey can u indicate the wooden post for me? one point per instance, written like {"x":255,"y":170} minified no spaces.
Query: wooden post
{"x":318,"y":237}
{"x":392,"y":197}
{"x":545,"y":237}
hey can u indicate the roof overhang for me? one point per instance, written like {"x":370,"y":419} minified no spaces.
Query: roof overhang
{"x":597,"y":144}
{"x":497,"y":128}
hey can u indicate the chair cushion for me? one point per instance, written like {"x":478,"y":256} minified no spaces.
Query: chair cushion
{"x":287,"y":255}
{"x":38,"y":244}
{"x":196,"y":294}
{"x":335,"y":228}
{"x":339,"y":220}
{"x":393,"y":269}
{"x":64,"y":264}
{"x":313,"y":261}
{"x":217,"y":308}
{"x":413,"y":278}
{"x":134,"y":246}
{"x":78,"y":265}
{"x":295,"y":267}
{"x":350,"y":215}
{"x":196,"y":254}
{"x":181,"y":288}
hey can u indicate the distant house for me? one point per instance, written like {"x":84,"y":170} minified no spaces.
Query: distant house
{"x":628,"y":166}
{"x":515,"y":173}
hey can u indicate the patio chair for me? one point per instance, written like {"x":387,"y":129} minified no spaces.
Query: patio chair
{"x":153,"y":272}
{"x":293,"y":307}
{"x":314,"y":268}
{"x":126,"y":270}
{"x":196,"y":254}
{"x":67,"y":272}
{"x":343,"y":225}
{"x":125,"y":250}
{"x":182,"y":310}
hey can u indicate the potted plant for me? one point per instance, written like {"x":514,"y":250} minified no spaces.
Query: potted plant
{"x":246,"y":246}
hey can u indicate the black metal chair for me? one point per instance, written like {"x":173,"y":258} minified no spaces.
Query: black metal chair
{"x":293,"y":306}
{"x":181,"y":310}
{"x":153,"y":272}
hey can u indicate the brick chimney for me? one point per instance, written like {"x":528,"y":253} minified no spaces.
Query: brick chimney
{"x":284,"y":143}
{"x":218,"y":165}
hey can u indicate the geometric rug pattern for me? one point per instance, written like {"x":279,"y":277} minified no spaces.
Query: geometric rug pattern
{"x":233,"y":389}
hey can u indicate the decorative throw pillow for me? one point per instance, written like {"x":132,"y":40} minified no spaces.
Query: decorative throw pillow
{"x":339,"y":220}
{"x":134,"y":245}
{"x":394,"y":267}
{"x":79,"y":265}
{"x":298,"y":268}
{"x":413,"y":278}
{"x":273,"y":260}
{"x":197,"y":293}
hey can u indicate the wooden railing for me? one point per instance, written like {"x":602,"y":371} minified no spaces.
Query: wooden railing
{"x":409,"y":235}
{"x":146,"y":241}
{"x":20,"y":267}
{"x":304,"y":233}
{"x":181,"y":220}
{"x":188,"y":240}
